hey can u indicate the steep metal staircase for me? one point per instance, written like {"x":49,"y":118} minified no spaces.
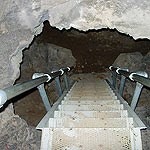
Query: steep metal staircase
{"x":90,"y":117}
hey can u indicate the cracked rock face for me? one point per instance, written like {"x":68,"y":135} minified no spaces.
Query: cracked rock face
{"x":21,"y":20}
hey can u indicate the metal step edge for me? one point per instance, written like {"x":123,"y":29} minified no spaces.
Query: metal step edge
{"x":90,"y":97}
{"x":60,"y":122}
{"x":90,"y":102}
{"x":86,"y":114}
{"x":91,"y":90}
{"x":62,"y":106}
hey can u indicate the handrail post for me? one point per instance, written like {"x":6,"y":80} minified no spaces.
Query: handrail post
{"x":138,"y":89}
{"x":66,"y":81}
{"x":44,"y":97}
{"x":42,"y":91}
{"x":58,"y":86}
{"x":114,"y":77}
{"x":122,"y":84}
{"x":122,"y":81}
{"x":136,"y":95}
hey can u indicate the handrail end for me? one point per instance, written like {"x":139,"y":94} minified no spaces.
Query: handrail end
{"x":3,"y":98}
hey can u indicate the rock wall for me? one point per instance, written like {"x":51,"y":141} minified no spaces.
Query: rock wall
{"x":45,"y":57}
{"x":21,"y":20}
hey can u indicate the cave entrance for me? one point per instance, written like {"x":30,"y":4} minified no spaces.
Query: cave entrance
{"x":93,"y":50}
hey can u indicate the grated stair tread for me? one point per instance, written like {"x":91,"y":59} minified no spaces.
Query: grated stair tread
{"x":90,"y":114}
{"x":90,"y":139}
{"x":103,"y":102}
{"x":91,"y":107}
{"x":90,"y":122}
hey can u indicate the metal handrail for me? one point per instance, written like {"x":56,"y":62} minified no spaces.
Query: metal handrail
{"x":141,"y":77}
{"x":37,"y":79}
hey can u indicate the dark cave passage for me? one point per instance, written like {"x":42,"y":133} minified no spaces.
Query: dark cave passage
{"x":94,"y":50}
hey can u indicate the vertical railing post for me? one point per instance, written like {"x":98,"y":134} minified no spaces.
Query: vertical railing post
{"x":44,"y":97}
{"x":138,"y":89}
{"x":42,"y":91}
{"x":66,"y":81}
{"x":122,"y":84}
{"x":136,"y":95}
{"x":122,"y":81}
{"x":114,"y":78}
{"x":58,"y":86}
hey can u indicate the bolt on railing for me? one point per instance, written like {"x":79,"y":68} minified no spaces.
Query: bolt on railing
{"x":38,"y":80}
{"x":140,"y":77}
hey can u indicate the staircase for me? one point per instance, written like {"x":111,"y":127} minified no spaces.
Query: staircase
{"x":91,"y":117}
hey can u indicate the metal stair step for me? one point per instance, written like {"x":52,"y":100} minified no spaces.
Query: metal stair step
{"x":90,"y":114}
{"x":90,"y":122}
{"x":91,"y":139}
{"x":101,"y":90}
{"x":78,"y":102}
{"x":91,"y":107}
{"x":92,"y":98}
{"x":91,"y":89}
{"x":90,"y":95}
{"x":88,"y":99}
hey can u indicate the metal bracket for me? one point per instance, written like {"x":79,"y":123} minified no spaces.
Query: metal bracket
{"x":140,"y":73}
{"x":37,"y":75}
{"x":138,"y":89}
{"x":62,"y":71}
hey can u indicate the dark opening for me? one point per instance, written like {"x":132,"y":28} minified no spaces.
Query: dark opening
{"x":94,"y":50}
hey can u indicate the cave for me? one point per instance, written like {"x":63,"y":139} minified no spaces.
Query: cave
{"x":88,"y":51}
{"x":90,"y":35}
